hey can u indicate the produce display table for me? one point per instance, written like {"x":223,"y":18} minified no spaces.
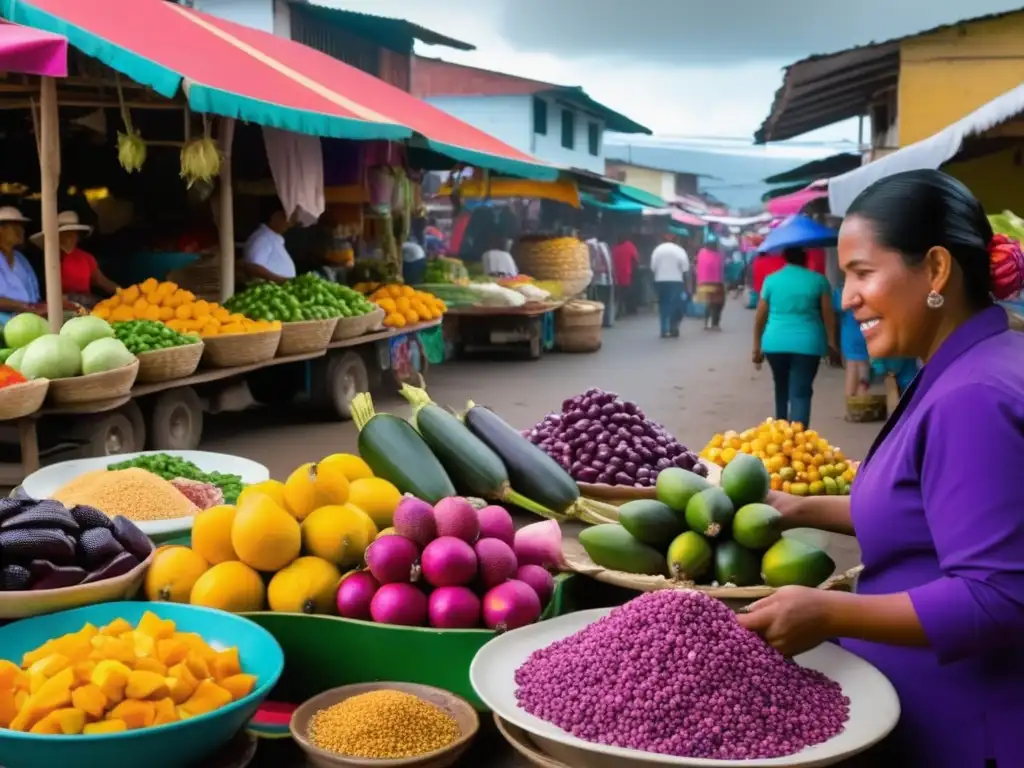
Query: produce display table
{"x":484,"y":329}
{"x":331,"y":377}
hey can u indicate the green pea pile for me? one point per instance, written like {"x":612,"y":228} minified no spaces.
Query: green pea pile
{"x":307,"y":297}
{"x":149,"y":335}
{"x":169,"y":467}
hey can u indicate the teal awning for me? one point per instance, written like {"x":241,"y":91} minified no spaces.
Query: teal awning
{"x":641,"y":196}
{"x":614,"y":203}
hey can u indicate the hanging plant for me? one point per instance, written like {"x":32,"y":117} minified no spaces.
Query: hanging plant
{"x":200,"y":158}
{"x":131,"y":149}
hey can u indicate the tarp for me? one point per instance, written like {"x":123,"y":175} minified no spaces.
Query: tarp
{"x":32,"y":52}
{"x":932,"y":152}
{"x":504,"y":188}
{"x":798,"y":232}
{"x":790,"y":205}
{"x":235,"y":71}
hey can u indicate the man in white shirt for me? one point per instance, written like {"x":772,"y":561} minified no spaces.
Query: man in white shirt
{"x":264,"y":255}
{"x":497,"y":262}
{"x":669,"y":263}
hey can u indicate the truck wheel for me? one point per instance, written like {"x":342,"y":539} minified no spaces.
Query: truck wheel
{"x":277,"y":385}
{"x":177,"y":420}
{"x":110,"y":434}
{"x":336,"y":380}
{"x":134,"y":413}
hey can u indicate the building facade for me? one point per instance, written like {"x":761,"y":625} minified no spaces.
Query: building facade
{"x":558,"y":124}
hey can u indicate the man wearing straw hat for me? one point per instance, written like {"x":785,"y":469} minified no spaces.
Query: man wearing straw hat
{"x":80,"y":275}
{"x":19,"y":286}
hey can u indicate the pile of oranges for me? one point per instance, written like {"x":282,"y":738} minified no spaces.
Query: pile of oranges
{"x":406,"y":306}
{"x":799,"y":460}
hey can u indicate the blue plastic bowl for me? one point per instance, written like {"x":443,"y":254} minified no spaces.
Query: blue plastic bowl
{"x":185,"y":743}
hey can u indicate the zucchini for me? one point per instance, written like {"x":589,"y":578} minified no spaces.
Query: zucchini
{"x":396,"y":452}
{"x":532,"y":472}
{"x":475,"y":469}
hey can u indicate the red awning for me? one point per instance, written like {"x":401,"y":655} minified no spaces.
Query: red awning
{"x":32,"y":51}
{"x":235,"y":71}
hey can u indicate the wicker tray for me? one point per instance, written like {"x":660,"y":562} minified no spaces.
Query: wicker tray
{"x":351,"y":327}
{"x":620,"y":494}
{"x":169,"y":364}
{"x":377,"y":321}
{"x":19,"y":400}
{"x":305,"y":336}
{"x":238,"y":349}
{"x":95,"y":386}
{"x":579,"y":562}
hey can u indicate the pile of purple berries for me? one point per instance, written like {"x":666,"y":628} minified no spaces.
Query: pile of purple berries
{"x":673,"y":673}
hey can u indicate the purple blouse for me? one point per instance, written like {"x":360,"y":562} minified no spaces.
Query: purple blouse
{"x":938,"y":507}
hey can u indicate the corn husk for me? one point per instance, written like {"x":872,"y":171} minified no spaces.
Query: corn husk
{"x":200,"y":160}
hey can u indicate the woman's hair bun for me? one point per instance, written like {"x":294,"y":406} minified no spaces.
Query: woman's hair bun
{"x":1006,"y":266}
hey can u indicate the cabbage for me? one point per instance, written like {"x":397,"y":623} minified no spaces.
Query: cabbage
{"x":23,"y":329}
{"x":105,"y":355}
{"x":14,"y":361}
{"x":87,"y":329}
{"x":51,"y":357}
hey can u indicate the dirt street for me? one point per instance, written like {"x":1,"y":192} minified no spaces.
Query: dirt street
{"x":696,"y":385}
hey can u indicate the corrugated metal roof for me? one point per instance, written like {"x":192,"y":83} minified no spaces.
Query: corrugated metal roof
{"x":436,"y":77}
{"x":396,"y":34}
{"x":825,"y":88}
{"x":825,"y":168}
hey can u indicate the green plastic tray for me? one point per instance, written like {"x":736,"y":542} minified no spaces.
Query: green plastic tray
{"x":323,"y":652}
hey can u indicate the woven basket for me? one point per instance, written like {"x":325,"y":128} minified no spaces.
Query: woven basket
{"x":376,"y":323}
{"x":351,"y":327}
{"x":239,"y":349}
{"x":864,"y":409}
{"x":19,"y":400}
{"x":96,"y":386}
{"x":169,"y":364}
{"x":578,"y":326}
{"x":577,"y":285}
{"x":306,"y":336}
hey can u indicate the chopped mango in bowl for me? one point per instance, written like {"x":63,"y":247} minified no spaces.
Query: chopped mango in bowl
{"x":153,"y":684}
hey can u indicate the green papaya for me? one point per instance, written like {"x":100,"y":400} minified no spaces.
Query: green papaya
{"x":613,"y":547}
{"x":689,"y":557}
{"x":794,"y":562}
{"x":650,"y":522}
{"x":710,"y":513}
{"x":745,"y":480}
{"x":757,"y":526}
{"x":736,"y":565}
{"x":675,"y":487}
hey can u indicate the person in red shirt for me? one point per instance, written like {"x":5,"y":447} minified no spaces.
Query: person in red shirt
{"x":80,"y":275}
{"x":625,"y":258}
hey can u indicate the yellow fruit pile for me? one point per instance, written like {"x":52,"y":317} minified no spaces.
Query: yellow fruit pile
{"x":178,"y":309}
{"x":405,"y":306}
{"x":305,"y":531}
{"x":800,"y":461}
{"x":118,"y":678}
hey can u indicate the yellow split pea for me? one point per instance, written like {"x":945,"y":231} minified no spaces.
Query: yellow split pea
{"x":383,"y":725}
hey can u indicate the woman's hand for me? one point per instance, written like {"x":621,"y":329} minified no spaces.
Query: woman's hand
{"x":758,"y":356}
{"x":835,"y":359}
{"x":793,"y":620}
{"x":788,"y":505}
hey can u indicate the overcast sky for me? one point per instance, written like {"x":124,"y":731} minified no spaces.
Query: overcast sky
{"x":681,"y":67}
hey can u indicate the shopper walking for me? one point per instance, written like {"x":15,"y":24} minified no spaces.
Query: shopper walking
{"x":853,"y":348}
{"x":794,"y":328}
{"x":626,"y":259}
{"x":711,"y":283}
{"x":670,"y":263}
{"x":936,"y":507}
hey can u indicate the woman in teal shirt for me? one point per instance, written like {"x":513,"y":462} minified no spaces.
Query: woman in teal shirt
{"x":794,"y":328}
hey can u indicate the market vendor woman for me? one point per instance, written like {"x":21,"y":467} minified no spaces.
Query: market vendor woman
{"x":937,"y":506}
{"x":19,"y":286}
{"x":80,"y":275}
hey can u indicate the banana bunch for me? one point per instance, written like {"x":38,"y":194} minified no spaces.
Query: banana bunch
{"x":200,"y":160}
{"x":131,"y":150}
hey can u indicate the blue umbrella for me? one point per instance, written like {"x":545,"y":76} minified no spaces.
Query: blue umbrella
{"x":798,"y":232}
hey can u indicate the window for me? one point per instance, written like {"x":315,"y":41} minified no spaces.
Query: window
{"x":540,"y":116}
{"x":594,"y":139}
{"x":568,"y":129}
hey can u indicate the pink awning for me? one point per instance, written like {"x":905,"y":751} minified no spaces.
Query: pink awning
{"x":32,"y":51}
{"x":790,"y":205}
{"x":685,"y":217}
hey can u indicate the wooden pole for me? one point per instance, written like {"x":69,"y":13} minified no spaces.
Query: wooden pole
{"x":49,"y":171}
{"x":226,"y":225}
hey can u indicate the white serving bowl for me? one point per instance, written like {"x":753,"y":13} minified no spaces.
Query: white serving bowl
{"x":874,"y":706}
{"x":44,"y":482}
